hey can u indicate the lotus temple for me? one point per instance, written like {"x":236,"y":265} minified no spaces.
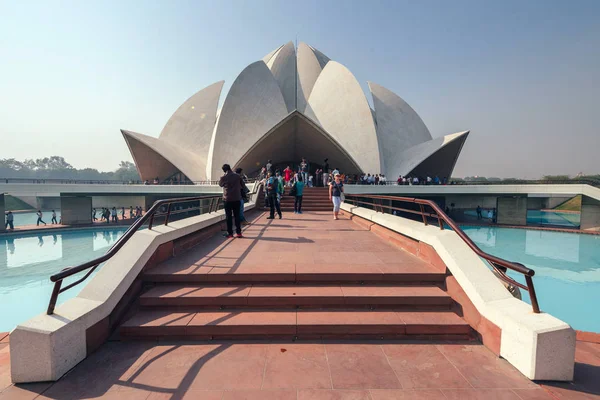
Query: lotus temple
{"x":475,"y":290}
{"x":294,"y":103}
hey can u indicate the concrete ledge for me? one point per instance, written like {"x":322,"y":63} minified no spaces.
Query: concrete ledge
{"x":47,"y":346}
{"x":539,"y":345}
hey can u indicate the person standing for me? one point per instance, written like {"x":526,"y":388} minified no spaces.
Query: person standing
{"x":123,"y":213}
{"x":113,"y":213}
{"x":287,"y":174}
{"x":304,"y":170}
{"x":94,"y":215}
{"x":325,"y":172}
{"x":269,"y":166}
{"x":130,"y":212}
{"x":336,"y":188}
{"x":40,"y":215}
{"x":271,"y":187}
{"x":297,"y":191}
{"x":10,"y":221}
{"x":479,"y":216}
{"x":244,"y":196}
{"x":54,"y":220}
{"x":232,"y":185}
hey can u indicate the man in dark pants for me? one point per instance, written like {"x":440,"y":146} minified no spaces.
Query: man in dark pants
{"x":272,"y":188}
{"x":232,"y":185}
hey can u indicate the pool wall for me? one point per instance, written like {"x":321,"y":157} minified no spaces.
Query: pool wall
{"x":47,"y":346}
{"x":539,"y":345}
{"x":2,"y":212}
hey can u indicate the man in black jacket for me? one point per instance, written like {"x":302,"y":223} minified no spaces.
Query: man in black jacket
{"x":232,"y":185}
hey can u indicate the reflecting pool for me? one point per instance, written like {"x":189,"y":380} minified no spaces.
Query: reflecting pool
{"x":567,"y":269}
{"x":27,"y":261}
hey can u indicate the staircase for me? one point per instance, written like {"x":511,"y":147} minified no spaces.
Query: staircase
{"x":313,"y":199}
{"x":219,"y":293}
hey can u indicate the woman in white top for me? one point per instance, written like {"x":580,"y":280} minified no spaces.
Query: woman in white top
{"x":336,"y":188}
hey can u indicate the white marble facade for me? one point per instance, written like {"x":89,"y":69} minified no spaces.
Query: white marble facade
{"x":391,"y":138}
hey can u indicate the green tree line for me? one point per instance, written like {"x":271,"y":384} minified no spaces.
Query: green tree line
{"x":57,"y":167}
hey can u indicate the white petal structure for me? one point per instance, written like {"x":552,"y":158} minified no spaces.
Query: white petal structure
{"x":398,"y":127}
{"x":339,"y":105}
{"x":253,"y":105}
{"x":294,"y":103}
{"x":283,"y":68}
{"x":309,"y":69}
{"x":434,"y":157}
{"x":191,"y":126}
{"x":155,"y":158}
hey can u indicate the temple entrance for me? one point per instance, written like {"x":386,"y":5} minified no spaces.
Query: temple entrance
{"x":288,"y":142}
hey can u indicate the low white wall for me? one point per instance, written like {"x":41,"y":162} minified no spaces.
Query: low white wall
{"x":47,"y":346}
{"x":539,"y":345}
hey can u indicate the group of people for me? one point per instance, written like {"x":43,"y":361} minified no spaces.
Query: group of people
{"x":40,"y":215}
{"x":10,"y":219}
{"x":235,"y":191}
{"x":491,"y":214}
{"x":368,"y":179}
{"x":427,"y":180}
{"x":112,"y":214}
{"x":274,"y":184}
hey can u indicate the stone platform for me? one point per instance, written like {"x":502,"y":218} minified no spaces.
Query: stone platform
{"x":302,"y":371}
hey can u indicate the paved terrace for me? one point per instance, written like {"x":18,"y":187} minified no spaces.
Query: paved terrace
{"x":301,"y":370}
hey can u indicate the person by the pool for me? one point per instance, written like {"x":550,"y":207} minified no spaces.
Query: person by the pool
{"x":10,"y":221}
{"x":40,"y":215}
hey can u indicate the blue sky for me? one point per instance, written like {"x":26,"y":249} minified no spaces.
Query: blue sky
{"x":523,"y":76}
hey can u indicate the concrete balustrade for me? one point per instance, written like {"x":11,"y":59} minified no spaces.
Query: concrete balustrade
{"x":539,"y":345}
{"x":45,"y":347}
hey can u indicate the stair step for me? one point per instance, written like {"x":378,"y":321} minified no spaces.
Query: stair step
{"x":184,"y":272}
{"x":295,"y":295}
{"x":302,"y":324}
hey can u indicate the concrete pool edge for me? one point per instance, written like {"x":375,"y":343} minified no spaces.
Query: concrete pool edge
{"x":539,"y":345}
{"x":533,"y":227}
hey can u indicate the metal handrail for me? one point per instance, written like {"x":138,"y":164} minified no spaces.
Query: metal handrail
{"x":149,"y":216}
{"x":583,"y":181}
{"x":498,"y":264}
{"x":93,"y":264}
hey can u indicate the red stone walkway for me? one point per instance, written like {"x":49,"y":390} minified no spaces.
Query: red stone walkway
{"x":302,"y":371}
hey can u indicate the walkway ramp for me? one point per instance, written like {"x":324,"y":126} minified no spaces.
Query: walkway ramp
{"x":304,"y":276}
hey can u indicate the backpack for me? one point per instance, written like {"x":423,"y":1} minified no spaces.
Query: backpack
{"x":294,"y":190}
{"x":245,"y":192}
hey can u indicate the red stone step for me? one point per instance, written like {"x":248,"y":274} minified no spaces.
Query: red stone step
{"x":415,"y":271}
{"x":295,"y":295}
{"x":326,"y":323}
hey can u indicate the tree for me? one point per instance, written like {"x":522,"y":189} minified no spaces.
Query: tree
{"x":127,"y":172}
{"x":57,"y":167}
{"x":555,"y":178}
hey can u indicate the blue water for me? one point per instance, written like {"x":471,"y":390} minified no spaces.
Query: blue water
{"x":568,"y":220}
{"x":537,"y":217}
{"x":27,"y":261}
{"x":566,"y":265}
